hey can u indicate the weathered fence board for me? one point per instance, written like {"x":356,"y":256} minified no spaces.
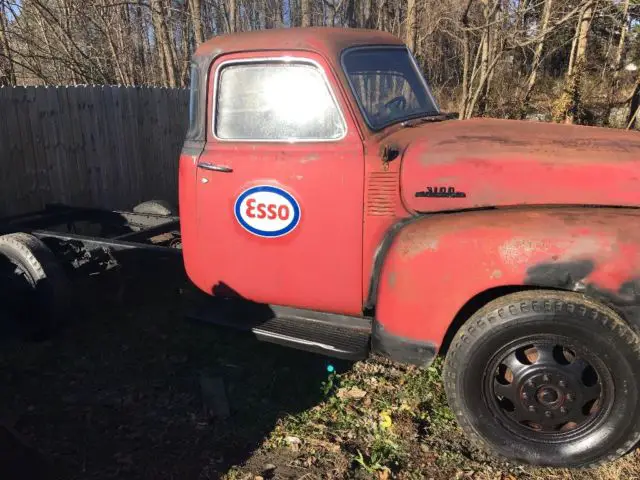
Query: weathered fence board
{"x":99,"y":146}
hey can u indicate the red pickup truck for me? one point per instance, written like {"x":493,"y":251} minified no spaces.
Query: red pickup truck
{"x":321,"y":184}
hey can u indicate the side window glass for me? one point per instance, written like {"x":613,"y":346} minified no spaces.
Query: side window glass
{"x":276,"y":101}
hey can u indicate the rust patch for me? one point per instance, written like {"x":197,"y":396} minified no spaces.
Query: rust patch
{"x":597,"y":144}
{"x":519,"y":250}
{"x":496,"y":274}
{"x":414,"y":243}
{"x":510,"y":142}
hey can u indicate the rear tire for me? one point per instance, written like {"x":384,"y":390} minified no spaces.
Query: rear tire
{"x":546,"y":378}
{"x":40,"y":277}
{"x":155,"y":207}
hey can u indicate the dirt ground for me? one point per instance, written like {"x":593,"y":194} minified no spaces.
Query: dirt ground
{"x":131,"y":389}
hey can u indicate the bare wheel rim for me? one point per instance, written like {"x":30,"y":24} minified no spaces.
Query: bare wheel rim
{"x":548,"y":388}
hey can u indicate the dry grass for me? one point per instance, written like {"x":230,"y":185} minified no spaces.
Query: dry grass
{"x":382,"y":420}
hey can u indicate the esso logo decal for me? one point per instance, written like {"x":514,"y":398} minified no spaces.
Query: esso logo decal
{"x":267,"y":211}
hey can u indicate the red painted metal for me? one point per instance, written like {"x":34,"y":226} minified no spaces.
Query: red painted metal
{"x":350,"y":198}
{"x":439,"y":262}
{"x":506,"y":162}
{"x":316,"y":266}
{"x":187,"y":174}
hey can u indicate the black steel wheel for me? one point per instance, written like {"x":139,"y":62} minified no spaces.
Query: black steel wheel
{"x":35,"y":285}
{"x":546,"y":378}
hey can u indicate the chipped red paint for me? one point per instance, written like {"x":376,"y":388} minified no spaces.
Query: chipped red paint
{"x":438,"y":263}
{"x":505,"y":162}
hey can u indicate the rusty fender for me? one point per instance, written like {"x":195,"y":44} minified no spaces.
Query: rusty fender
{"x":435,"y":264}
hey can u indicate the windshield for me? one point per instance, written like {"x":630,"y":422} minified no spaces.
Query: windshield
{"x":387,"y":85}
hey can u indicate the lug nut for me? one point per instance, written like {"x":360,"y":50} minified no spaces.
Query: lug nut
{"x":570,"y":397}
{"x":548,"y":414}
{"x":545,"y":378}
{"x":525,"y":396}
{"x":563,"y":410}
{"x":530,"y":384}
{"x":562,"y":383}
{"x":532,"y":408}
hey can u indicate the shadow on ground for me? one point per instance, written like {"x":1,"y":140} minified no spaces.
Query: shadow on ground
{"x":118,"y":393}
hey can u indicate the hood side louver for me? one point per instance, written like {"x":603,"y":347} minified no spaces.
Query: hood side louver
{"x":381,"y":193}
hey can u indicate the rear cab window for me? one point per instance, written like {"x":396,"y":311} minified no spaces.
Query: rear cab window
{"x":277,"y":100}
{"x":196,"y":119}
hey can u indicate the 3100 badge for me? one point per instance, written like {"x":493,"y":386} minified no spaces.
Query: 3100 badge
{"x":267,"y":211}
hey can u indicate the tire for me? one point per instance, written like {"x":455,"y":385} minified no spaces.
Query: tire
{"x":546,"y":378}
{"x":155,"y":207}
{"x":46,"y":283}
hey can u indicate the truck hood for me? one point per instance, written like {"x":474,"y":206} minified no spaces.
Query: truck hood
{"x":479,"y":163}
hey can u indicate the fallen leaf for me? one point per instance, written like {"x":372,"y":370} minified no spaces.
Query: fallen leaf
{"x":293,"y":443}
{"x":268,"y":468}
{"x":332,"y":447}
{"x":353,"y":392}
{"x":292,"y":440}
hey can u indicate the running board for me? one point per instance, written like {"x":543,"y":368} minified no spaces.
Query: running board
{"x":328,"y":334}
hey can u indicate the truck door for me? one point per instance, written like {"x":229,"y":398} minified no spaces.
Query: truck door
{"x":280,"y":186}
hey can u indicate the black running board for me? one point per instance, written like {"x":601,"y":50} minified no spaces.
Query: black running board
{"x":328,"y":334}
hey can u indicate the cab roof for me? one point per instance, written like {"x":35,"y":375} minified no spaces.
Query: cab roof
{"x":327,"y":41}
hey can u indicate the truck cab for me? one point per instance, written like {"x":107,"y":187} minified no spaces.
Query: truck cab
{"x":321,"y":185}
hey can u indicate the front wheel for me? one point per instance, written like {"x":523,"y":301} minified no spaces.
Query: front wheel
{"x":546,"y":378}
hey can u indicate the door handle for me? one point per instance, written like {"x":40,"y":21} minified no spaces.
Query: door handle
{"x":215,"y":168}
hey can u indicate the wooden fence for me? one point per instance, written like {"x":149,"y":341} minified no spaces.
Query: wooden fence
{"x":99,"y":146}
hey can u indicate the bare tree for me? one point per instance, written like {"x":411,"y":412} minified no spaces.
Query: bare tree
{"x":411,"y":25}
{"x":483,"y":57}
{"x":616,"y":66}
{"x":7,"y":73}
{"x":537,"y":56}
{"x":577,"y":61}
{"x":164,"y":43}
{"x":195,"y":7}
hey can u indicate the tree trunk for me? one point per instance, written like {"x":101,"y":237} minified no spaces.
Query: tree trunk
{"x":351,"y":14}
{"x":185,"y":46}
{"x":232,"y":16}
{"x":466,"y":60}
{"x":142,"y":46}
{"x":537,"y":56}
{"x":369,"y":14}
{"x":196,"y":19}
{"x":617,"y":61}
{"x":164,"y":42}
{"x":576,"y":70}
{"x":7,"y":74}
{"x":634,"y":105}
{"x":486,"y":58}
{"x":331,"y":14}
{"x":410,"y":27}
{"x":485,"y":48}
{"x":624,"y":29}
{"x":305,"y":6}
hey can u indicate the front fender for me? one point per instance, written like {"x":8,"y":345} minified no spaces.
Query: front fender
{"x":435,"y":264}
